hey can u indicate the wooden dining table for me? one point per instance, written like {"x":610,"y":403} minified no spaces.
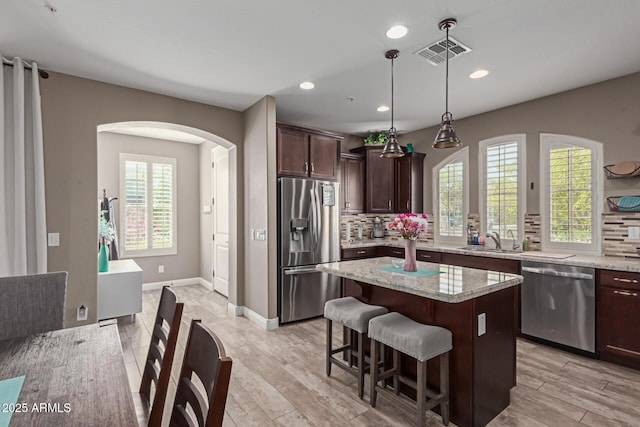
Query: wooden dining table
{"x":72,"y":377}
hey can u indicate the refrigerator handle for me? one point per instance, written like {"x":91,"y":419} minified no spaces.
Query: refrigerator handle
{"x":313,"y":219}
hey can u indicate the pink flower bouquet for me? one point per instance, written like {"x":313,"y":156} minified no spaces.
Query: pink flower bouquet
{"x":409,"y":225}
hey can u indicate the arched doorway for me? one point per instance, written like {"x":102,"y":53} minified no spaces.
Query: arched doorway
{"x":206,"y":142}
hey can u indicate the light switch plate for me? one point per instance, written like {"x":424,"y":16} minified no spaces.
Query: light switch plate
{"x":482,"y":324}
{"x":53,"y":239}
{"x":83,"y":313}
{"x":206,"y":209}
{"x":261,"y":234}
{"x":634,"y":233}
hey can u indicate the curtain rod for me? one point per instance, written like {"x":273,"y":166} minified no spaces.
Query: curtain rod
{"x":41,"y":73}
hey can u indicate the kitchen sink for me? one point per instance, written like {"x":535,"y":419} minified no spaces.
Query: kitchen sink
{"x":481,"y":248}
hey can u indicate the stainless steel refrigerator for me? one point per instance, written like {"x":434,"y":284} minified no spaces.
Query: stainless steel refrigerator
{"x":309,"y":234}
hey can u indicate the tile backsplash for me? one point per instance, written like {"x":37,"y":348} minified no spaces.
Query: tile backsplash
{"x":615,"y":234}
{"x":366,"y":220}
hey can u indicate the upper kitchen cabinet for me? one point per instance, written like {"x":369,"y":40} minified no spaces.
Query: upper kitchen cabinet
{"x":409,"y":172}
{"x":352,"y":183}
{"x":307,"y":153}
{"x":392,"y":185}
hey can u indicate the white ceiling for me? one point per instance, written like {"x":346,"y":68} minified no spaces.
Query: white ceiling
{"x":232,"y":53}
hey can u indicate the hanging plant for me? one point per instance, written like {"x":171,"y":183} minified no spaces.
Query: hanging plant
{"x":376,"y":138}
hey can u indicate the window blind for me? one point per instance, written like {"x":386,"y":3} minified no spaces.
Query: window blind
{"x":502,"y":188}
{"x":451,"y":196}
{"x":149,"y":205}
{"x":570,"y":194}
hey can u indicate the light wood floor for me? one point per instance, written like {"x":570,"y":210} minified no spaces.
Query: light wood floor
{"x":278,"y":377}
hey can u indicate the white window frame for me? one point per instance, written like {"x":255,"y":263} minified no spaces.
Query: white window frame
{"x":462,"y":156}
{"x":594,"y":248}
{"x":521,"y":140}
{"x":173,"y":250}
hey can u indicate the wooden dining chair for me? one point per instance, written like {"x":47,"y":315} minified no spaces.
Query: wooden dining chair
{"x":204,"y":357}
{"x":157,"y":367}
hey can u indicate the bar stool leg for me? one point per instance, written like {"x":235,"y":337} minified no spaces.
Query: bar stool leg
{"x":444,"y":387}
{"x":421,"y":396}
{"x":373,"y":366}
{"x":328,"y":347}
{"x":360,"y":365}
{"x":396,"y":370}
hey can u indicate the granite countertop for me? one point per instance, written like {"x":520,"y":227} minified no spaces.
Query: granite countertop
{"x":453,"y":284}
{"x":601,"y":262}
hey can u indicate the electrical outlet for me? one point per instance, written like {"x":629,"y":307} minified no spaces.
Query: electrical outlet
{"x":482,"y":324}
{"x":261,"y":234}
{"x":83,"y":313}
{"x":634,"y":233}
{"x":161,"y":269}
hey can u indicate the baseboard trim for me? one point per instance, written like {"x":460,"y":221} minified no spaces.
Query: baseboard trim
{"x":177,"y":282}
{"x":268,"y":324}
{"x":232,"y":309}
{"x":206,"y":284}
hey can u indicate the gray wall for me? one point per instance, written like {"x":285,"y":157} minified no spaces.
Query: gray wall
{"x":185,"y":263}
{"x":72,"y":108}
{"x":607,"y":112}
{"x":260,"y":201}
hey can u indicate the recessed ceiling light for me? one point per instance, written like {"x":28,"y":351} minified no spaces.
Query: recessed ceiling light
{"x":397,"y":32}
{"x":307,"y":85}
{"x":383,"y":108}
{"x":478,"y":74}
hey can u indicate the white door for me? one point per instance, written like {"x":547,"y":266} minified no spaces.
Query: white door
{"x":220,"y":190}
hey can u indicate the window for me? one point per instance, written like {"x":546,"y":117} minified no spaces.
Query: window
{"x":502,"y":186}
{"x":451,"y":201}
{"x":148,"y":205}
{"x":570,"y":191}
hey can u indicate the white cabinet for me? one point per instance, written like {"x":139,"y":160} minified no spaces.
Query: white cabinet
{"x":120,"y":290}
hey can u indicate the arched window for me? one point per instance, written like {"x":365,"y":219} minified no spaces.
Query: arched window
{"x":451,"y":198}
{"x":570,"y":192}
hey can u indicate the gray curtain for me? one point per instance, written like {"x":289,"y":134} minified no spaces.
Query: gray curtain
{"x":23,"y":240}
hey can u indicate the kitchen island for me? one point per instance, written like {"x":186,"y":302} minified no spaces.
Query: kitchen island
{"x":477,"y":306}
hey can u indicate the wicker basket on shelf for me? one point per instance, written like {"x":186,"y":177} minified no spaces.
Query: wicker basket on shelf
{"x":624,"y":203}
{"x":622,"y":170}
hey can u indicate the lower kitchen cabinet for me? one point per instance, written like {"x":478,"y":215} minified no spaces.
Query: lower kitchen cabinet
{"x":358,"y":253}
{"x":619,"y":317}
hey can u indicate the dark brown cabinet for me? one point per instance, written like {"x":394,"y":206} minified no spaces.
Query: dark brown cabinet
{"x":307,"y":153}
{"x":409,"y":171}
{"x":351,"y":183}
{"x":392,"y":185}
{"x":619,"y":317}
{"x":358,"y":253}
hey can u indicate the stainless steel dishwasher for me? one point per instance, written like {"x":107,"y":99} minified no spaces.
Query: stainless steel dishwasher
{"x":558,"y":304}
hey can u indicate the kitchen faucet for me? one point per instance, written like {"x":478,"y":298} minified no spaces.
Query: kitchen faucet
{"x":514,"y":246}
{"x":496,"y":238}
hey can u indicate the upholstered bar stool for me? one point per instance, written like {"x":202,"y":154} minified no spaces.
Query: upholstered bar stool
{"x":354,"y":315}
{"x":422,"y":342}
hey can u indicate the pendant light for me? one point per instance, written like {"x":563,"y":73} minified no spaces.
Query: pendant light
{"x":446,"y":137}
{"x":391,"y":147}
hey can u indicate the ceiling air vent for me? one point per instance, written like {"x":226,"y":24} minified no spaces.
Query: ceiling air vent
{"x":435,"y":52}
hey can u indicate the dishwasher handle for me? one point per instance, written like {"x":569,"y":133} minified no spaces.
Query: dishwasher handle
{"x":551,"y":272}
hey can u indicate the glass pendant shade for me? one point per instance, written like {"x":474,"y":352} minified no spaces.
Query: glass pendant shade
{"x":446,"y":137}
{"x":391,"y":147}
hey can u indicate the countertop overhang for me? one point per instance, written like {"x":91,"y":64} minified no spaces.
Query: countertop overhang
{"x":453,"y":284}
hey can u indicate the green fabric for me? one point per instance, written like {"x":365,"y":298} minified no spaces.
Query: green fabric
{"x":9,"y":393}
{"x":422,"y":272}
